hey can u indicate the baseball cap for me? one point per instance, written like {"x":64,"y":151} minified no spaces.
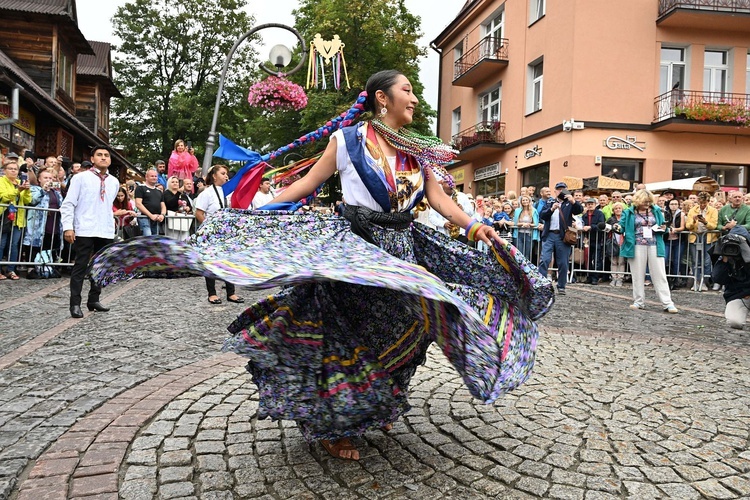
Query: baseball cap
{"x":12,"y":155}
{"x":591,"y":200}
{"x":561,"y":185}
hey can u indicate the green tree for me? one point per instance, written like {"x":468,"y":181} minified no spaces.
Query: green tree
{"x":378,"y":34}
{"x":168,"y":67}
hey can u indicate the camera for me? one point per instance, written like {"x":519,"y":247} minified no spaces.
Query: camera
{"x":54,"y":185}
{"x":730,"y":245}
{"x":563,"y":194}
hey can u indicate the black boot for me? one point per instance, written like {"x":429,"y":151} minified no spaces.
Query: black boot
{"x":97,"y":306}
{"x":75,"y":312}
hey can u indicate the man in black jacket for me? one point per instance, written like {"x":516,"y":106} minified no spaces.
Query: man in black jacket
{"x":734,"y":273}
{"x":557,"y":215}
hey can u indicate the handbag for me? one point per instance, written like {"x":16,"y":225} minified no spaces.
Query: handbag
{"x":9,"y":217}
{"x":570,"y":237}
{"x":178,"y":222}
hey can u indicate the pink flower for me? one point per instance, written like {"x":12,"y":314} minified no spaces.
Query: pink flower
{"x":277,"y":93}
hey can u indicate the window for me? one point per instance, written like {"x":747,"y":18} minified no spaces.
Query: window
{"x":536,"y":10}
{"x":725,"y":175}
{"x":715,"y":70}
{"x":490,"y":104}
{"x":456,"y":121}
{"x":623,"y":169}
{"x":671,"y":70}
{"x":537,"y":176}
{"x":536,"y":86}
{"x":65,"y":72}
{"x":493,"y":34}
{"x":103,"y":116}
{"x":688,"y":170}
{"x":729,"y":175}
{"x":494,"y":186}
{"x":458,"y":52}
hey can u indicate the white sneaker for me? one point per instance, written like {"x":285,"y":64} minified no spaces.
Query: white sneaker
{"x":716,"y":287}
{"x":619,"y":284}
{"x":636,"y":307}
{"x":671,"y":309}
{"x":704,"y":288}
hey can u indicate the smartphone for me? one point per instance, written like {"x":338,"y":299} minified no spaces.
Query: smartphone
{"x":23,"y":176}
{"x":54,"y":185}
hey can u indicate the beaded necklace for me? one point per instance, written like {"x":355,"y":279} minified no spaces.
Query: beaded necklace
{"x":428,"y":150}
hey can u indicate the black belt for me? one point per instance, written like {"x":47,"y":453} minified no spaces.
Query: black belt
{"x":554,"y":230}
{"x":362,"y":220}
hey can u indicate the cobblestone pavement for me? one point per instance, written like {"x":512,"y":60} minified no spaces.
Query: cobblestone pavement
{"x":138,"y":403}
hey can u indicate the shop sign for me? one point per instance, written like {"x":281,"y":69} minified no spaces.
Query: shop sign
{"x":487,"y":172}
{"x":629,"y":142}
{"x":458,"y":175}
{"x":530,"y":153}
{"x":26,"y":121}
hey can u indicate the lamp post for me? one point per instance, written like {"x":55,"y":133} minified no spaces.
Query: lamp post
{"x":280,"y":56}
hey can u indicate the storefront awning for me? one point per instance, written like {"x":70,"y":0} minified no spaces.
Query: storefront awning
{"x":692,"y":184}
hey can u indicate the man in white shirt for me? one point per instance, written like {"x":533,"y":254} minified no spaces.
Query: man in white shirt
{"x":88,"y":224}
{"x":264,"y":196}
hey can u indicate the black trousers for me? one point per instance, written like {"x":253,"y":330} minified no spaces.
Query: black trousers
{"x":211,"y":287}
{"x":85,"y":247}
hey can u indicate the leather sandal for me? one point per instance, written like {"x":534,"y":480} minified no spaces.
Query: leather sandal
{"x":13,"y":276}
{"x":341,"y":448}
{"x":238,"y":300}
{"x":214,"y":301}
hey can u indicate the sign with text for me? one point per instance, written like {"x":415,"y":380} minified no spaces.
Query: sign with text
{"x":26,"y":121}
{"x":629,"y":142}
{"x":487,"y":172}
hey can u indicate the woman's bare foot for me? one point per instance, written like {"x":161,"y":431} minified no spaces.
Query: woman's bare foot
{"x":341,"y":448}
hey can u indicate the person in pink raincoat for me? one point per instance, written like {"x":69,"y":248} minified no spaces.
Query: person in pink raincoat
{"x":181,"y":163}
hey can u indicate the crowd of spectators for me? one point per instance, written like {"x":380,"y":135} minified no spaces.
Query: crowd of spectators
{"x":164,"y":202}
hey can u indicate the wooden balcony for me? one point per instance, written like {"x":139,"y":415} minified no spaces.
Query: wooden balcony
{"x":482,"y":61}
{"x":724,"y":15}
{"x":702,"y":112}
{"x":479,"y":140}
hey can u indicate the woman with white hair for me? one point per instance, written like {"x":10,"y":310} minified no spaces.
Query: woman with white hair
{"x":643,"y":227}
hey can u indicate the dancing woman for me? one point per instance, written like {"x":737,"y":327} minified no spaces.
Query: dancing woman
{"x":336,"y":350}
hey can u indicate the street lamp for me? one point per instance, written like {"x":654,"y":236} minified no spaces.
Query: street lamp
{"x":280,"y":55}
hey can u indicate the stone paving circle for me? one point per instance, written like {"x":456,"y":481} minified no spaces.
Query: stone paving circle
{"x":622,"y":404}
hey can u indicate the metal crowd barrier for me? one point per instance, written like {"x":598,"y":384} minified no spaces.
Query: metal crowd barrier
{"x":55,"y":252}
{"x":686,"y":263}
{"x":178,"y":227}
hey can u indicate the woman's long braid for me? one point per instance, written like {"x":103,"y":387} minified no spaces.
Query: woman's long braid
{"x":343,"y":120}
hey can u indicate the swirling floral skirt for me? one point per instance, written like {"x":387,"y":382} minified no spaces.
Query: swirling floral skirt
{"x":336,"y":348}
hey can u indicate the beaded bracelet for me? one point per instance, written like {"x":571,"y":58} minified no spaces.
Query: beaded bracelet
{"x":472,"y":229}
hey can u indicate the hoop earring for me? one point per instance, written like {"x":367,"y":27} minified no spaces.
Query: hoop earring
{"x":383,"y":111}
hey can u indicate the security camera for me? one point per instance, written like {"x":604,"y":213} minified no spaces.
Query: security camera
{"x":567,"y":126}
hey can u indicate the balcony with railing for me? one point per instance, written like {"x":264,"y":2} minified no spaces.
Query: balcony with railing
{"x":478,"y":140}
{"x":702,"y":111}
{"x":481,"y":61}
{"x":728,"y":15}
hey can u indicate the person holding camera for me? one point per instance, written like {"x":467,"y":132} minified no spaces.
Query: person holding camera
{"x":731,"y":268}
{"x":701,"y":219}
{"x":643,"y":245}
{"x":557,"y":215}
{"x":44,"y":227}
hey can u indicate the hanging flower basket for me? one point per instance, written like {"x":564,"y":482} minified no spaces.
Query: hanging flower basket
{"x":274,"y":94}
{"x":735,"y":112}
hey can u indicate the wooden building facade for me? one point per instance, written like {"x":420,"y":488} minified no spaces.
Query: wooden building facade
{"x":65,"y":82}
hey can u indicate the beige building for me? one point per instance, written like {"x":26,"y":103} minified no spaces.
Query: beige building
{"x":643,"y":90}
